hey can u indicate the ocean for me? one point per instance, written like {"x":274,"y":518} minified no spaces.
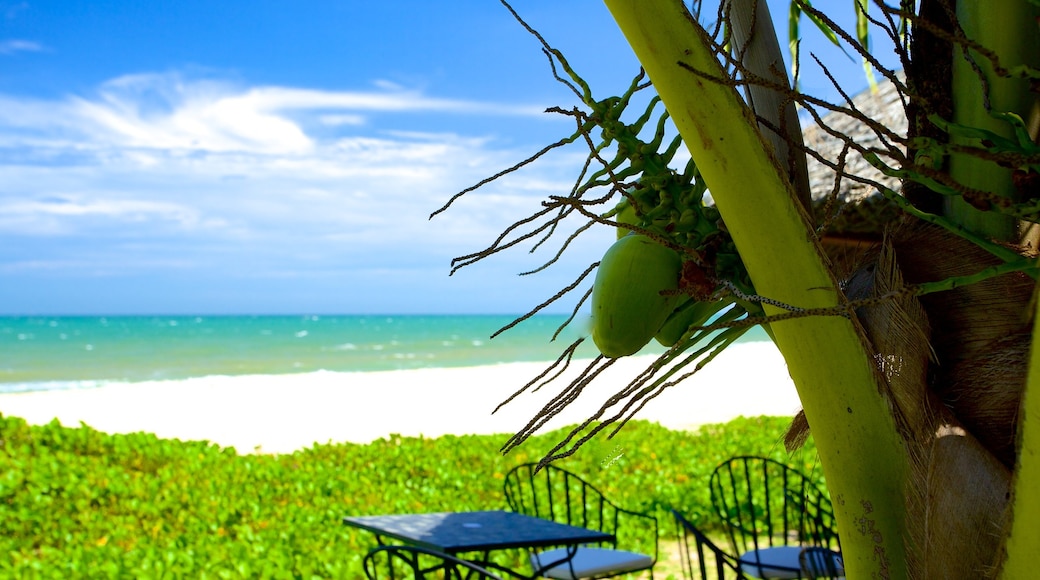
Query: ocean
{"x":42,"y":353}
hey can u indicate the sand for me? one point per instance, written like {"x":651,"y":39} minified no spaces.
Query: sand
{"x":280,"y":414}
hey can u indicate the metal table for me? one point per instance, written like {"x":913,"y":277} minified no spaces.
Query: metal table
{"x":481,"y":531}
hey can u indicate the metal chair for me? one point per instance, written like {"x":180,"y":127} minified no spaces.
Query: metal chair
{"x":556,"y":494}
{"x":709,"y":557}
{"x":415,"y":563}
{"x":821,"y":563}
{"x":772,"y":512}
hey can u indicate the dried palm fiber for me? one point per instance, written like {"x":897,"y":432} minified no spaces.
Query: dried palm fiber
{"x":957,"y":508}
{"x":980,"y":333}
{"x":898,"y":332}
{"x":950,"y":525}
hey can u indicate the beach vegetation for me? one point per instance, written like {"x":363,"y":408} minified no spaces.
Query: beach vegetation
{"x":79,"y":503}
{"x":912,"y":351}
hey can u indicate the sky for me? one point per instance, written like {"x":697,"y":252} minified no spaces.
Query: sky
{"x":267,"y":157}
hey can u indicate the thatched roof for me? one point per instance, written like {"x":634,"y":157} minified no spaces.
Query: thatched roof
{"x":863,"y":211}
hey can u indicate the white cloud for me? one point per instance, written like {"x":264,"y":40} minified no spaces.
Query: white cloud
{"x":286,"y":174}
{"x":170,"y":113}
{"x":67,"y":215}
{"x":336,"y":120}
{"x":13,"y":46}
{"x":387,"y":85}
{"x":158,"y":112}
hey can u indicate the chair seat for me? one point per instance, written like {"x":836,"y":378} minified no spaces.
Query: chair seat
{"x":589,"y":562}
{"x":780,"y":562}
{"x":772,"y":562}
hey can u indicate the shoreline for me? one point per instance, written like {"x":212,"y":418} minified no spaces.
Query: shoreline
{"x":285,"y":413}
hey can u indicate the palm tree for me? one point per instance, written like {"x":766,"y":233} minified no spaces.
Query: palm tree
{"x":910,"y":355}
{"x":914,"y":395}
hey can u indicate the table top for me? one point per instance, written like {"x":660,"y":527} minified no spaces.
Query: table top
{"x":455,"y":532}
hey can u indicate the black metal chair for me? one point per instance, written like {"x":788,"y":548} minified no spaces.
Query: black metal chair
{"x":556,"y":494}
{"x":771,"y":513}
{"x":698,"y":553}
{"x":415,"y":563}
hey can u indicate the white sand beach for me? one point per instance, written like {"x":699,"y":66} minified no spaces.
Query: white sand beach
{"x":280,"y":414}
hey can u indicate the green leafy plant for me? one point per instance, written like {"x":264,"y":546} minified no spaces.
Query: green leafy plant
{"x":79,"y":503}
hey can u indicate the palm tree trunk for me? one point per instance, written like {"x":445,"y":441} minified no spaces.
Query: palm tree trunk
{"x":863,"y":457}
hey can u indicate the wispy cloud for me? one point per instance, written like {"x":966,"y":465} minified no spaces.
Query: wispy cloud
{"x":170,"y":113}
{"x":168,"y":166}
{"x":342,"y":119}
{"x":12,"y":46}
{"x":65,"y":215}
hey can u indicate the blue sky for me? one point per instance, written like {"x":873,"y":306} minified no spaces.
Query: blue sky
{"x":248,"y":157}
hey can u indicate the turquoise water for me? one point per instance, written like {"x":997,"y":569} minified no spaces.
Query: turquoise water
{"x":72,"y":352}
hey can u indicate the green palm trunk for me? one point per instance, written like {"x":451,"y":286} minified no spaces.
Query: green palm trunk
{"x":863,"y":458}
{"x":1009,"y":29}
{"x":866,"y":457}
{"x":1024,"y":538}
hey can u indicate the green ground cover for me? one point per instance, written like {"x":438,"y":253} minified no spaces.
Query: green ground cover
{"x":75,"y":502}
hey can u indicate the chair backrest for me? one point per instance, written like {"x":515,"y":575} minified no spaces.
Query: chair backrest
{"x":766,"y":503}
{"x":553,"y":493}
{"x":700,"y":554}
{"x":415,"y":563}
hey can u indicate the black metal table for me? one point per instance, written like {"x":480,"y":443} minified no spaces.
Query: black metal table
{"x":481,"y":531}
